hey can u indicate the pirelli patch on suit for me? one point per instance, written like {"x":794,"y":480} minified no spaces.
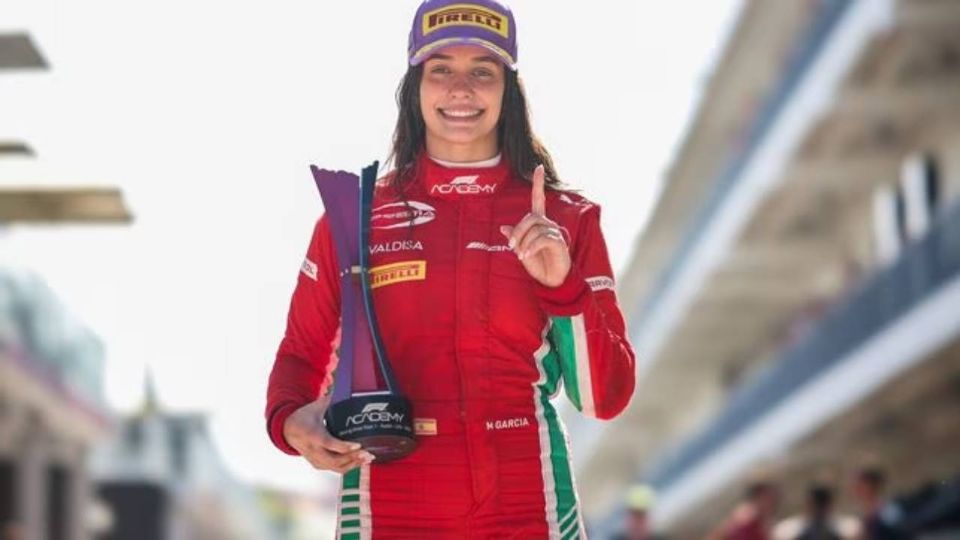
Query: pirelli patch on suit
{"x":465,"y":14}
{"x":388,"y":274}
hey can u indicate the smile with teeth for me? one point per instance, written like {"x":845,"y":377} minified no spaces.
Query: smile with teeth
{"x":461,"y":113}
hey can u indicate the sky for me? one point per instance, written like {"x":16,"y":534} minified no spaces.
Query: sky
{"x":207,"y":115}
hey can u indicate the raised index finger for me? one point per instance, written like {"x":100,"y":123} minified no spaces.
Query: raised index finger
{"x":538,"y":205}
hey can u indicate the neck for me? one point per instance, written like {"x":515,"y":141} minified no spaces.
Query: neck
{"x":461,"y":153}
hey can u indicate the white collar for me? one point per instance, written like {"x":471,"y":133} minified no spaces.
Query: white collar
{"x":492,"y":162}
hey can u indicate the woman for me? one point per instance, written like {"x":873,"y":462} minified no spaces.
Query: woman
{"x":507,"y":294}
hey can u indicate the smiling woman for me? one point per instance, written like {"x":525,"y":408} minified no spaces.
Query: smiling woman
{"x":461,"y":94}
{"x":422,"y":93}
{"x":493,"y":289}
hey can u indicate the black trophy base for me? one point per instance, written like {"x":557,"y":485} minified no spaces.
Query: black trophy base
{"x":382,"y":423}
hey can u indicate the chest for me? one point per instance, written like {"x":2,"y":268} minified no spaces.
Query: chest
{"x":445,"y":234}
{"x":431,"y":259}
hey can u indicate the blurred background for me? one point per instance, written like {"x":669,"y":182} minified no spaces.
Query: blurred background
{"x":781,"y":190}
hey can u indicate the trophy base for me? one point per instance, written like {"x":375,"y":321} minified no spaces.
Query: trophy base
{"x":381,"y":423}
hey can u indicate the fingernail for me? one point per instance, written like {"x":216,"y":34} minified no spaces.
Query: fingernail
{"x":367,"y":458}
{"x":512,"y":244}
{"x":354,"y":446}
{"x":522,"y":255}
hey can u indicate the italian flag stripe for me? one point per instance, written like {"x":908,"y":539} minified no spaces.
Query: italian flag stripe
{"x":351,"y":480}
{"x":570,"y":336}
{"x":558,"y":484}
{"x":569,"y":519}
{"x":354,"y":521}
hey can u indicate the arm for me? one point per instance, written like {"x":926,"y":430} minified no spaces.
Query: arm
{"x":307,"y":354}
{"x":588,"y":330}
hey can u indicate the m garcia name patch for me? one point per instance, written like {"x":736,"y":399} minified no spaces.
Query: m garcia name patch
{"x":508,"y":423}
{"x":389,"y":274}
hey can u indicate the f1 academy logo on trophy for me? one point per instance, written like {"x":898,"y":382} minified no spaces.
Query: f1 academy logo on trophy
{"x":365,"y":406}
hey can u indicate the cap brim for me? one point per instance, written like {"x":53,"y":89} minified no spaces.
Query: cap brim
{"x":432,"y":48}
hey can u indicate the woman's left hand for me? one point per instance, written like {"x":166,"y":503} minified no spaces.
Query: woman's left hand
{"x":537,"y":241}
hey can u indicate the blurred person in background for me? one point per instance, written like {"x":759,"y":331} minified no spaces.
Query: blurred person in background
{"x":819,"y":521}
{"x":750,"y":520}
{"x":12,"y":530}
{"x":639,"y":502}
{"x":518,"y":301}
{"x":880,"y":519}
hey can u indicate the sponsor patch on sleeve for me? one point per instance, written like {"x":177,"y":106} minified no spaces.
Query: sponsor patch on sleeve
{"x":600,"y":283}
{"x":309,"y":269}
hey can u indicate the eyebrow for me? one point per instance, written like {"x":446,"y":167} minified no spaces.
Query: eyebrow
{"x":484,"y":58}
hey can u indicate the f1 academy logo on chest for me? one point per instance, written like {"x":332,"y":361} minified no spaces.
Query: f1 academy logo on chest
{"x":464,"y":185}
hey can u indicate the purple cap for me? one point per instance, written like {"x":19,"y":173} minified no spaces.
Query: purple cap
{"x":443,"y":23}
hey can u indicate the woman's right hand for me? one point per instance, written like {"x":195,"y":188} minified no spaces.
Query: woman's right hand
{"x":305,"y":431}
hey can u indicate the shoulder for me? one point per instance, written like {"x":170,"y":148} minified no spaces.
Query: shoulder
{"x":571,"y":208}
{"x":389,"y":188}
{"x":570,"y":201}
{"x":387,"y":179}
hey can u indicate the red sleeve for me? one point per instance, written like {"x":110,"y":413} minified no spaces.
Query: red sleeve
{"x":587,"y":327}
{"x":307,"y":354}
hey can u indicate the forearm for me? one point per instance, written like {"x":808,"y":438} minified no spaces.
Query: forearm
{"x":597,"y":361}
{"x":293,"y":382}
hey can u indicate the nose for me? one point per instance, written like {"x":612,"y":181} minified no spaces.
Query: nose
{"x":460,"y":86}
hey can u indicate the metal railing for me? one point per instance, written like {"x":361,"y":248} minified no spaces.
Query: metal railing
{"x":826,"y":19}
{"x":923,"y":267}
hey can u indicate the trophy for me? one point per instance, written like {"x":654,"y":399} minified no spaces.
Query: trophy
{"x":366,"y":406}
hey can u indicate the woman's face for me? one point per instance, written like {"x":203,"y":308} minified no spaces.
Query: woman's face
{"x":460,"y":98}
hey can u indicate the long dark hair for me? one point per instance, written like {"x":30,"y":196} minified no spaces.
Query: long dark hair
{"x":518,"y":144}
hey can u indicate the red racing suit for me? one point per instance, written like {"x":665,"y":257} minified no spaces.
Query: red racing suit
{"x":478,"y":346}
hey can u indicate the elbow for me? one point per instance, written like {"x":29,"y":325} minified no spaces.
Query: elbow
{"x":613,"y":408}
{"x":619,"y":382}
{"x":616,"y":400}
